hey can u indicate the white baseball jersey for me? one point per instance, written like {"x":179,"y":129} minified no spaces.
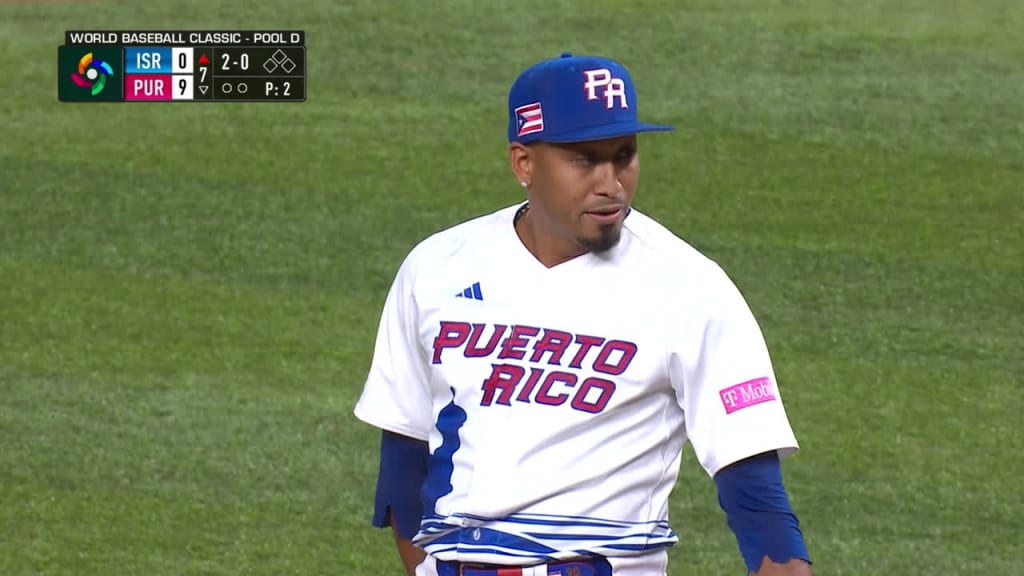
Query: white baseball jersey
{"x":557,"y":401}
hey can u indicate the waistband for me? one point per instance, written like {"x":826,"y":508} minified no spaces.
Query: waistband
{"x":581,"y":567}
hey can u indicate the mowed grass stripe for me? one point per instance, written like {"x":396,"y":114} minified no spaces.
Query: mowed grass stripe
{"x":65,"y":321}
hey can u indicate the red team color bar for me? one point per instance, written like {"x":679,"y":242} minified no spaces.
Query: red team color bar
{"x":148,"y":87}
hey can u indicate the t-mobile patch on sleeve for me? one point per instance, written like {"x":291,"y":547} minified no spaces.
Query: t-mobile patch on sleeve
{"x":746,"y":394}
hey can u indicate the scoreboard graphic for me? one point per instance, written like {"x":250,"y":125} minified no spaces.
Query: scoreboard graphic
{"x":182,"y":66}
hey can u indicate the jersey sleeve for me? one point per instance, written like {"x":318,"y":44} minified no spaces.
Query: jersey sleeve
{"x":722,"y":374}
{"x":396,"y":394}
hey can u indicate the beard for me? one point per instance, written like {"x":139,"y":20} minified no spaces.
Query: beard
{"x":606,"y":239}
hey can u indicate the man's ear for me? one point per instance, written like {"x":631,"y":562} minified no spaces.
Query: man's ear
{"x":521,"y":160}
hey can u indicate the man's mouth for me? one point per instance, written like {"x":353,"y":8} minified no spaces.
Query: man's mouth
{"x":605,"y":215}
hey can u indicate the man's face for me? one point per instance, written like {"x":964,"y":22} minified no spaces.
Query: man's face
{"x":580,"y":192}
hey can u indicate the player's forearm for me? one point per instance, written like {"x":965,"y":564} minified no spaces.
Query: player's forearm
{"x":411,"y":555}
{"x":794,"y":567}
{"x":403,"y":467}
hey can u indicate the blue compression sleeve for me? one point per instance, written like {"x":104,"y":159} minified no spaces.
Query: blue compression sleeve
{"x":403,"y":467}
{"x":758,"y":511}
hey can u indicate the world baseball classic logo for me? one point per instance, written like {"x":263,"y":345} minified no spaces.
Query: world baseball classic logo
{"x":747,"y":394}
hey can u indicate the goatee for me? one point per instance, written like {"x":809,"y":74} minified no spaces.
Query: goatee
{"x":606,"y":239}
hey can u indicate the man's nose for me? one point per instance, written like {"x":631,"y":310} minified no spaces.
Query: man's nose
{"x":608,"y":183}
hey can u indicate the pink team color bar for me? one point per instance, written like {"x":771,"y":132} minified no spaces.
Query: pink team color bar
{"x":148,"y":86}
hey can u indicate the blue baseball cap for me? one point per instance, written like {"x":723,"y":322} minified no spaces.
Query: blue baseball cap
{"x":574,"y":99}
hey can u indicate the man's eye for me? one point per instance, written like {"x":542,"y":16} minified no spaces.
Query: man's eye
{"x":583,"y":160}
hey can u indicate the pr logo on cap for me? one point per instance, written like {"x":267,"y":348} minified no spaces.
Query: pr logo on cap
{"x":613,"y":87}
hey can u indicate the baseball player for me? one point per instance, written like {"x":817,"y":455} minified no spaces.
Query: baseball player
{"x":538,"y":370}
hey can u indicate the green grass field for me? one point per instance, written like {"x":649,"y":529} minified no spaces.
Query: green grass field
{"x":188,"y":293}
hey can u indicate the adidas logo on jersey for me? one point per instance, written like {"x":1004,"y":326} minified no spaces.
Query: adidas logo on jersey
{"x":473,"y":292}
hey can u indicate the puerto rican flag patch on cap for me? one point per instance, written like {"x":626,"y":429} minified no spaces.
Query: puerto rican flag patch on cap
{"x":530,"y":119}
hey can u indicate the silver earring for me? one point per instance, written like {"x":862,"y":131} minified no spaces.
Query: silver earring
{"x":524,"y":184}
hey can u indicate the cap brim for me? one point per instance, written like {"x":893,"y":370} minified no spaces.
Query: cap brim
{"x":603,"y":132}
